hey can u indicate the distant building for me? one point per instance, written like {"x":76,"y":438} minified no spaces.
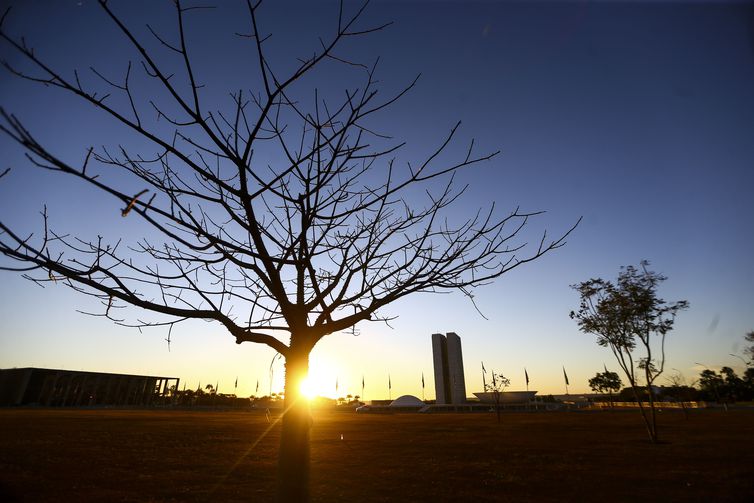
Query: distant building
{"x":407,"y":403}
{"x":73,"y":388}
{"x":439,"y":361}
{"x":450,"y":384}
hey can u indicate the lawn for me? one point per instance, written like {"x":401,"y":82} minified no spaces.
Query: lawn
{"x":153,"y":455}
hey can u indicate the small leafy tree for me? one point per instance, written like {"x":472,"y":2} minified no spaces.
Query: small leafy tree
{"x":725,"y":386}
{"x":627,"y":317}
{"x":606,"y":382}
{"x":711,"y":385}
{"x":733,"y":384}
{"x":748,"y":380}
{"x":497,"y":387}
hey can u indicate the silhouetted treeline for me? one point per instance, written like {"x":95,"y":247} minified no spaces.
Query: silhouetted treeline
{"x":209,"y":397}
{"x":724,"y":386}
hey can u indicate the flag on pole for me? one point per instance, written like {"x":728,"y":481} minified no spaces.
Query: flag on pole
{"x":527,"y":376}
{"x":362,"y":386}
{"x":217,"y":386}
{"x":236,"y":385}
{"x":257,"y":391}
{"x":484,"y":381}
{"x":336,"y":385}
{"x":566,"y":377}
{"x":422,"y":386}
{"x":389,"y":382}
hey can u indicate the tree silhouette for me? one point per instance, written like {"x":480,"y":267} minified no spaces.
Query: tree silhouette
{"x":681,"y":390}
{"x":497,"y":388}
{"x":749,"y":349}
{"x":284,"y":217}
{"x":624,"y":315}
{"x":606,"y":382}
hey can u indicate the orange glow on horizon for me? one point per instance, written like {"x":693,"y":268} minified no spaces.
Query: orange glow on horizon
{"x":318,"y":383}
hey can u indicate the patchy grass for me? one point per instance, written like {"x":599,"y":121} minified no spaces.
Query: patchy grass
{"x":149,"y":455}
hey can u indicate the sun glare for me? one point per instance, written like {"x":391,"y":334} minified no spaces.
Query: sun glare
{"x":308,"y":389}
{"x":321,"y":381}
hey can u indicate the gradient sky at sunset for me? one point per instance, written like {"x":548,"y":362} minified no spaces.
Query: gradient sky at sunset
{"x":638,"y":116}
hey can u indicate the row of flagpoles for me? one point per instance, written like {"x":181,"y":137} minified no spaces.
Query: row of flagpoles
{"x":526,"y":376}
{"x":256,"y":392}
{"x":389,"y":383}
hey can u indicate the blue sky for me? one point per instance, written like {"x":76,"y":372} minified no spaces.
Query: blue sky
{"x":638,"y":116}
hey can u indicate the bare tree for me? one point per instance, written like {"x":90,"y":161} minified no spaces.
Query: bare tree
{"x":681,"y":390}
{"x":284,"y":217}
{"x":627,"y":315}
{"x":497,"y":388}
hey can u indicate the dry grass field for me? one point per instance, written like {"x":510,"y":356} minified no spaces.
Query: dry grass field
{"x":149,"y":455}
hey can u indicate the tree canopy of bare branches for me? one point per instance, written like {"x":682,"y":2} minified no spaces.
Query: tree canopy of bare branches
{"x":284,"y":217}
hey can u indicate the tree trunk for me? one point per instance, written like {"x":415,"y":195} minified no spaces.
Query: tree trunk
{"x":647,"y":421}
{"x":653,"y":412}
{"x":293,"y":460}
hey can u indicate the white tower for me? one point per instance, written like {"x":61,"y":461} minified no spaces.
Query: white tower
{"x":455,"y":369}
{"x":450,"y":384}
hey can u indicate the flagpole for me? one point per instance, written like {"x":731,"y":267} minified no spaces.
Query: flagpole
{"x":389,"y":387}
{"x":565,"y":376}
{"x":422,"y":386}
{"x":484,"y":381}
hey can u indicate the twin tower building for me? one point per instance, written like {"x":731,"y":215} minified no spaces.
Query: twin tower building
{"x":450,"y":385}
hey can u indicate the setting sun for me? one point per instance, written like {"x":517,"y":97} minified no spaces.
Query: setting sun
{"x":308,"y":388}
{"x":317,"y":384}
{"x":321,"y":381}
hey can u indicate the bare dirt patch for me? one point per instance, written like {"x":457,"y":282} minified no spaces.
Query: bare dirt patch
{"x":149,"y":455}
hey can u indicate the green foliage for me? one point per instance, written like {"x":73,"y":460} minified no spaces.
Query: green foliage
{"x":726,"y":386}
{"x":605,"y":382}
{"x":627,"y":316}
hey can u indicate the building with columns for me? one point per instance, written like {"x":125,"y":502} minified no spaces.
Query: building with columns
{"x":74,"y":388}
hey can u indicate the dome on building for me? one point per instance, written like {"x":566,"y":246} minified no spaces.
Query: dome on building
{"x":407,"y":401}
